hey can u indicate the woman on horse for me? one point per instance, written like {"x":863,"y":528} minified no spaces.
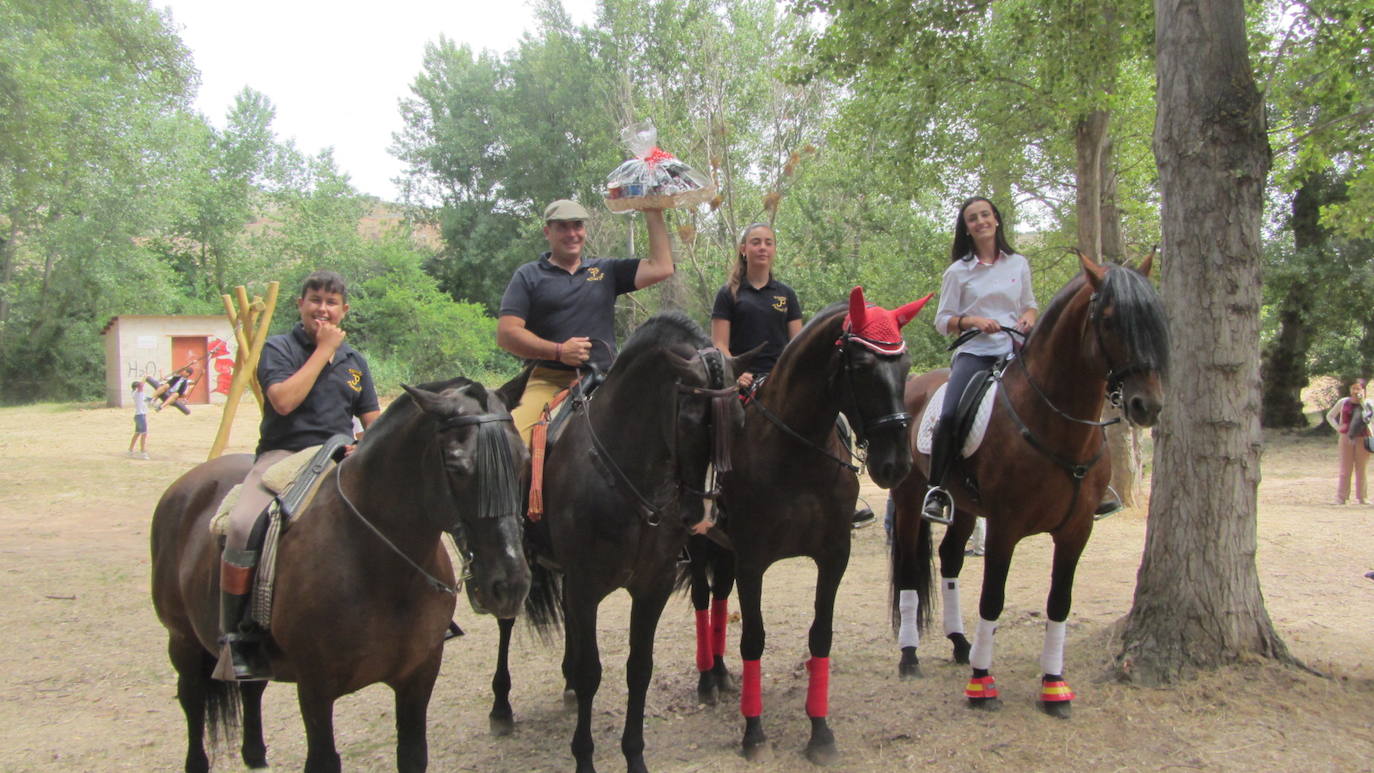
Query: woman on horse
{"x":753,"y":307}
{"x":986,"y":287}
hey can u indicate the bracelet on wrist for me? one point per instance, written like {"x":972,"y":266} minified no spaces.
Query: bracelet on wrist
{"x":558,"y":352}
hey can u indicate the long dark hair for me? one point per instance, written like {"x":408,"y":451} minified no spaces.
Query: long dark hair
{"x":963,"y":241}
{"x":741,"y":267}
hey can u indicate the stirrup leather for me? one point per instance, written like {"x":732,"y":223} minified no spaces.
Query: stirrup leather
{"x":946,"y":507}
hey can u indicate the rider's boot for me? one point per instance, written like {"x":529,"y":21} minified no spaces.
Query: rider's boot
{"x":1110,"y":503}
{"x":938,"y":505}
{"x":242,"y":637}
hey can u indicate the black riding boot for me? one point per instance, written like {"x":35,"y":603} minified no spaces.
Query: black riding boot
{"x":241,"y":636}
{"x":1110,"y":503}
{"x":939,"y":505}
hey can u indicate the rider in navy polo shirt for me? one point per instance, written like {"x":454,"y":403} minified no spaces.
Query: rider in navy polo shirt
{"x":314,"y":384}
{"x":558,"y":308}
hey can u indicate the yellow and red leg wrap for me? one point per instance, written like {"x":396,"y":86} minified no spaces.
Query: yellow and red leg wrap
{"x":704,"y":659}
{"x":818,"y":688}
{"x":981,"y":687}
{"x":1055,"y":692}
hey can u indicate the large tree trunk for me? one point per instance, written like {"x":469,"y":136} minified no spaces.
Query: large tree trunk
{"x":1284,"y":371}
{"x":1197,"y":600}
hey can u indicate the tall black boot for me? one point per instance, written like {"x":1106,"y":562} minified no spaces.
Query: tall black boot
{"x":938,"y":505}
{"x":242,"y":638}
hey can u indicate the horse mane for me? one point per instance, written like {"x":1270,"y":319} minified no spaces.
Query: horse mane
{"x":401,"y":410}
{"x":1138,"y":319}
{"x":661,"y":331}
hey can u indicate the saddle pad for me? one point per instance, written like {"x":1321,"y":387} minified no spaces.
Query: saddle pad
{"x":277,"y":479}
{"x":926,"y":433}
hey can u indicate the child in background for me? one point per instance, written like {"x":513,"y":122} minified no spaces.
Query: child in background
{"x":140,"y":421}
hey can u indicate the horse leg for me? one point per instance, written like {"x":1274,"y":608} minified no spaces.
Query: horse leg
{"x":951,"y":564}
{"x":317,"y":710}
{"x":412,"y":706}
{"x":910,"y":578}
{"x":582,"y":658}
{"x":982,"y":688}
{"x":645,"y":611}
{"x":253,"y":750}
{"x":701,"y":598}
{"x":193,"y":688}
{"x":755,"y":744}
{"x":820,"y":749}
{"x":501,"y":720}
{"x":723,"y":581}
{"x":1056,"y":699}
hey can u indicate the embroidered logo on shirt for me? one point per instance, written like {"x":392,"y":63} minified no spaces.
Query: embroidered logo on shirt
{"x":780,"y":302}
{"x":594,"y":274}
{"x":355,"y":380}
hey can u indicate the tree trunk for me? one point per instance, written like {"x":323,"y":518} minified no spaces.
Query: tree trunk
{"x":1197,"y":600}
{"x":1284,"y":372}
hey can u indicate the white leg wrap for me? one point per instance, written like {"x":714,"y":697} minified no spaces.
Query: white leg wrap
{"x":949,"y":596}
{"x":981,"y":656}
{"x":1052,"y":657}
{"x":908,"y":603}
{"x":980,"y":533}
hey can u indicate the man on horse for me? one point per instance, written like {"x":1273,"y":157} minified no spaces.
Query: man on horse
{"x":557,"y":308}
{"x":315,"y":384}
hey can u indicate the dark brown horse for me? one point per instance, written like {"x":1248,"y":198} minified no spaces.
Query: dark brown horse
{"x":622,"y":484}
{"x":792,"y":488}
{"x":1042,"y":466}
{"x":364,"y":586}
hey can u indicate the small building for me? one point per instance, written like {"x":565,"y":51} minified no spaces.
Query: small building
{"x":138,"y":346}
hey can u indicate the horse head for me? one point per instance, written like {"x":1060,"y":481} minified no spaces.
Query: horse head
{"x":873,"y":364}
{"x":482,"y":457}
{"x":1130,"y":335}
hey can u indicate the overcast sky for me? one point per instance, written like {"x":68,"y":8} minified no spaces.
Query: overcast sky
{"x":336,"y":70}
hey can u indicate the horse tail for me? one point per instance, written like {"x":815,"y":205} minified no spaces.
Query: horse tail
{"x":544,"y":604}
{"x":223,"y":709}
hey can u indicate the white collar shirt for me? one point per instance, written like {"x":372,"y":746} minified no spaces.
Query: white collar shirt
{"x":1000,"y":291}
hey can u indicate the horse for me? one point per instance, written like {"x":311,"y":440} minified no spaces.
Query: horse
{"x":1042,"y":467}
{"x":792,"y":488}
{"x":624,"y":481}
{"x":364,"y":586}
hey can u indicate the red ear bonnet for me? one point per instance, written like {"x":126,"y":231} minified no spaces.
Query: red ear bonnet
{"x":876,"y":327}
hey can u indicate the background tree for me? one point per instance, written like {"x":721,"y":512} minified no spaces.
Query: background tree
{"x":1197,"y":598}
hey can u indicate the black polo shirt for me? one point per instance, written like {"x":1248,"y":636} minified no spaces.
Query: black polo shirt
{"x":758,"y":316}
{"x":343,"y":390}
{"x":557,"y":305}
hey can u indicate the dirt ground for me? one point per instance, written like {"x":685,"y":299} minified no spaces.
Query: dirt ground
{"x":87,"y":686}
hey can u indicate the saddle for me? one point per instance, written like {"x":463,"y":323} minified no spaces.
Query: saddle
{"x":294,"y":480}
{"x":971,"y":417}
{"x":551,"y":426}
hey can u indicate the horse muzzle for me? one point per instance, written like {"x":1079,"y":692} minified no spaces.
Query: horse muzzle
{"x":501,"y":593}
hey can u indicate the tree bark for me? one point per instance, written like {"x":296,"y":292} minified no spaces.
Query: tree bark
{"x":1197,"y":599}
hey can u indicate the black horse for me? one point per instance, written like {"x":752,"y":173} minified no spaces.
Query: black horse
{"x":792,"y":488}
{"x":622,"y":484}
{"x":364,"y":586}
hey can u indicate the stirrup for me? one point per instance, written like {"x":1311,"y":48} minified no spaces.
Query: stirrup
{"x":1110,"y":505}
{"x":944,"y":514}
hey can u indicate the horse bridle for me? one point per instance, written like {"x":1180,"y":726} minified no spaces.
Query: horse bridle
{"x":862,"y":429}
{"x":465,"y":555}
{"x":720,"y":395}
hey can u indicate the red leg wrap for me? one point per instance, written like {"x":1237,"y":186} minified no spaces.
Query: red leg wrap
{"x":720,"y":617}
{"x":751,"y":692}
{"x":1055,"y":692}
{"x":704,"y":661}
{"x":818,"y":689}
{"x":981,"y":687}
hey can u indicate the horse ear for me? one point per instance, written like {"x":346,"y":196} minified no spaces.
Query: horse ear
{"x":857,"y":308}
{"x":740,"y":363}
{"x":682,"y":365}
{"x":1096,"y":273}
{"x":1148,"y":263}
{"x":428,"y":401}
{"x":908,"y":312}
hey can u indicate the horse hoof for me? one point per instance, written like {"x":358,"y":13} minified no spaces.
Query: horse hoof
{"x":985,"y":704}
{"x":1057,"y":709}
{"x":909,"y":671}
{"x":962,"y":647}
{"x":501,"y":726}
{"x":570,"y":700}
{"x":822,"y":754}
{"x":706,"y":695}
{"x":761,"y":751}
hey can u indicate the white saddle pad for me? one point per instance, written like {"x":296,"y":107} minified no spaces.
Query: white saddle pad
{"x":926,"y":433}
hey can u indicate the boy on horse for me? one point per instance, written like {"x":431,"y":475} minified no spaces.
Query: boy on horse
{"x":315,"y":384}
{"x":556,"y":308}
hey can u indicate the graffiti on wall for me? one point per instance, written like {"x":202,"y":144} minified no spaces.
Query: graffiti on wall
{"x":221,"y":364}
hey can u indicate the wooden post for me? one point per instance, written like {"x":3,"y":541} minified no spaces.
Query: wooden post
{"x":242,"y":327}
{"x":245,"y":366}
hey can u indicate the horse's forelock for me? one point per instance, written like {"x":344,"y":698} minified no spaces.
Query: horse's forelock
{"x":1139,"y":317}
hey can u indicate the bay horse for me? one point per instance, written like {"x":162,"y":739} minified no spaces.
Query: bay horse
{"x":622,"y":484}
{"x":1042,"y":467}
{"x":364,"y":586}
{"x":792,"y":488}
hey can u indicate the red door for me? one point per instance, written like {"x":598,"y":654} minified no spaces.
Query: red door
{"x":191,"y":349}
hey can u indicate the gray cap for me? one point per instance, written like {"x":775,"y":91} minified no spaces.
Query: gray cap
{"x":565,"y":209}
